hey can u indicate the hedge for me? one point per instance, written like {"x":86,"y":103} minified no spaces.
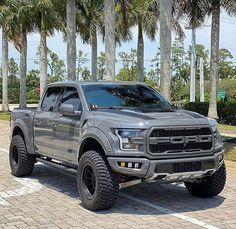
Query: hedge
{"x":226,"y":110}
{"x":27,"y":101}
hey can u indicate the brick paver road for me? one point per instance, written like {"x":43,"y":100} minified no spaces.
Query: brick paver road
{"x":49,"y":199}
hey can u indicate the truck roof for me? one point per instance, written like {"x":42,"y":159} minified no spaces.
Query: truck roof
{"x":96,"y":82}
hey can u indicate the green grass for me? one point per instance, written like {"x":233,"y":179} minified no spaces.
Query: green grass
{"x":5,"y":116}
{"x":227,"y":127}
{"x":230,"y":151}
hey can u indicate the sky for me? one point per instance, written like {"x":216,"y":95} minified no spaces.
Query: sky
{"x":56,"y":44}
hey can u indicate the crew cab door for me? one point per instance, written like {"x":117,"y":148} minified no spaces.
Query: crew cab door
{"x":43,"y":125}
{"x":66,"y":129}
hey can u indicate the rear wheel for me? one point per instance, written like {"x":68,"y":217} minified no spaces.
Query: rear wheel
{"x":21,"y":163}
{"x":209,"y":186}
{"x":97,"y":184}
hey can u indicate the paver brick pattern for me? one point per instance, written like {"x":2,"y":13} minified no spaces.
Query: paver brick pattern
{"x":57,"y":204}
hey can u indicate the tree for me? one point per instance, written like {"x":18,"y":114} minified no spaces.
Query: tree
{"x":19,"y":22}
{"x":110,"y":43}
{"x":56,"y":66}
{"x":14,"y":82}
{"x":71,"y":38}
{"x":89,"y":22}
{"x":5,"y":105}
{"x":129,"y":70}
{"x":46,"y":20}
{"x":145,"y":15}
{"x":81,"y":59}
{"x":165,"y":46}
{"x":226,"y":67}
{"x":101,"y":66}
{"x":196,"y":11}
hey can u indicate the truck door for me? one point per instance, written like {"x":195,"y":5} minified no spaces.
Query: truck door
{"x":66,"y":129}
{"x":43,"y":124}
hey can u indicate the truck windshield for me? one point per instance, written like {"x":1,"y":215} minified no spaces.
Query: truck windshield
{"x":137,"y":97}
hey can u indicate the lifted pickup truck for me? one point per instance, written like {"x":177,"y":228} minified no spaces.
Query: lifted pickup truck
{"x":117,"y":132}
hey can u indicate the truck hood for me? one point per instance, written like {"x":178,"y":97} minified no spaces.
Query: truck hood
{"x":134,"y":119}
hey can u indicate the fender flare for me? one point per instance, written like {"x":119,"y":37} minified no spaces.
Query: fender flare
{"x":28,"y":140}
{"x":97,"y":135}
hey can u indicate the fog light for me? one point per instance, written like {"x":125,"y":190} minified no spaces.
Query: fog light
{"x":130,"y":165}
{"x":122,"y":164}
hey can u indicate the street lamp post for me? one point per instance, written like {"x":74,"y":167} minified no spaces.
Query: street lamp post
{"x":193,"y":65}
{"x":193,"y":68}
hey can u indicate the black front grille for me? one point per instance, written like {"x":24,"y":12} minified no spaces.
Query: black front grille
{"x":187,"y":167}
{"x":158,"y":147}
{"x":180,"y":132}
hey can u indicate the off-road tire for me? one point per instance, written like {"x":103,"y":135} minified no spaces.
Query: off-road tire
{"x":107,"y":186}
{"x":21,"y":162}
{"x":209,"y":186}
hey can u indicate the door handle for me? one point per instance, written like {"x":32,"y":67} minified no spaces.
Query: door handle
{"x":36,"y":122}
{"x":54,"y":123}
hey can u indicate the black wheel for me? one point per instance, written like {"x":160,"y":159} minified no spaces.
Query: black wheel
{"x":21,"y":163}
{"x":209,"y":186}
{"x":98,"y":185}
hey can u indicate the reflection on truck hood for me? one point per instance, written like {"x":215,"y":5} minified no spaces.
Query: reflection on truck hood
{"x":137,"y":119}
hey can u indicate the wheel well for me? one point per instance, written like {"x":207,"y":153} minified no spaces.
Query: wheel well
{"x":18,"y":131}
{"x":90,"y":144}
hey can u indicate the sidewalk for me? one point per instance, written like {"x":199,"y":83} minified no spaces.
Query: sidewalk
{"x":12,"y":106}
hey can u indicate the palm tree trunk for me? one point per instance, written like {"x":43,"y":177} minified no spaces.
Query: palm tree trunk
{"x":140,"y":52}
{"x":110,"y":43}
{"x":215,"y":36}
{"x":43,"y":62}
{"x":5,"y":105}
{"x":23,"y":69}
{"x":165,"y":46}
{"x":94,"y":46}
{"x":71,"y":39}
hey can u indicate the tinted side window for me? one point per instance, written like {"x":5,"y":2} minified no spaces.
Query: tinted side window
{"x":70,"y":96}
{"x":50,"y":99}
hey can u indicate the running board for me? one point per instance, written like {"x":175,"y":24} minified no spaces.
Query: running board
{"x":57,"y":164}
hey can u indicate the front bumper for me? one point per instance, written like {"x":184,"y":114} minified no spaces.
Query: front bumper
{"x":168,"y":169}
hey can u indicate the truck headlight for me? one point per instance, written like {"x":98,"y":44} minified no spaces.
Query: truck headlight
{"x":130,"y":139}
{"x":217,"y":136}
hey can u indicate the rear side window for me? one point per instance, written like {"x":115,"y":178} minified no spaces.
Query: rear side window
{"x":50,"y":99}
{"x":70,"y":96}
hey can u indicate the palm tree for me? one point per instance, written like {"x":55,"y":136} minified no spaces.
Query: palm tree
{"x":110,"y":42}
{"x":89,"y":20}
{"x":19,"y":23}
{"x":71,"y":38}
{"x":165,"y":46}
{"x":3,"y":11}
{"x":145,"y":15}
{"x":196,"y":11}
{"x":47,"y":19}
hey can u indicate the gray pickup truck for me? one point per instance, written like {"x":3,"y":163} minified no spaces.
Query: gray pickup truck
{"x":114,"y":133}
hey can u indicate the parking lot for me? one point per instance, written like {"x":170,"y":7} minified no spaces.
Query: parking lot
{"x":49,"y":199}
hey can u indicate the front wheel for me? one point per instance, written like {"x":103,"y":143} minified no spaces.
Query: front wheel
{"x":98,"y":185}
{"x":209,"y":186}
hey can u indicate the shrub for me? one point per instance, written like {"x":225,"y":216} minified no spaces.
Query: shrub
{"x":226,"y":110}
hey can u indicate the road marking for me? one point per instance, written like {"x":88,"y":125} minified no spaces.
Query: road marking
{"x":146,"y":203}
{"x":36,"y":187}
{"x":4,"y":150}
{"x":29,"y":186}
{"x":168,"y":211}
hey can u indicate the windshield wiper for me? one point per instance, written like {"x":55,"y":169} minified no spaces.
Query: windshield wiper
{"x":95,"y":107}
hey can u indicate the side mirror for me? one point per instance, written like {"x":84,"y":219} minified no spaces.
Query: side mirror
{"x":67,"y":110}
